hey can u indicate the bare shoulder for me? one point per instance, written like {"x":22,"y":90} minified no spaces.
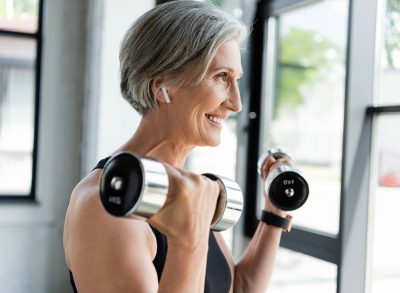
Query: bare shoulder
{"x":104,"y":252}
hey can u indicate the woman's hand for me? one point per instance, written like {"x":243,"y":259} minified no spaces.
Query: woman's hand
{"x":271,"y":162}
{"x":186,"y":215}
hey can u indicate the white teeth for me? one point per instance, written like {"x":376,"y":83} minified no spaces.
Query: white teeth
{"x":215,"y":119}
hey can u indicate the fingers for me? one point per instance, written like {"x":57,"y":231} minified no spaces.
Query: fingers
{"x":273,"y":161}
{"x":189,"y":208}
{"x":286,"y":161}
{"x":184,"y":180}
{"x":180,"y":181}
{"x":191,"y":189}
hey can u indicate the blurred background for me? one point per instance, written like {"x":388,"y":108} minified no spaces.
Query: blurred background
{"x":321,"y":81}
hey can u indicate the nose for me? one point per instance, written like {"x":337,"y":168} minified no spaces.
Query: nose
{"x":234,"y":102}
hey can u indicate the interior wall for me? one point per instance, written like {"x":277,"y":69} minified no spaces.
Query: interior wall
{"x":31,"y":251}
{"x":117,"y":120}
{"x":82,"y":117}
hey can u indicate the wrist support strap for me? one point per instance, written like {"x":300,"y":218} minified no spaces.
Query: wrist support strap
{"x":277,"y":221}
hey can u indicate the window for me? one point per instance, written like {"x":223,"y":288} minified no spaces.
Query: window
{"x":361,"y":245}
{"x":385,"y":178}
{"x":297,"y":272}
{"x":298,"y":90}
{"x":307,"y":103}
{"x":390,"y":55}
{"x":386,"y":242}
{"x":20,"y":37}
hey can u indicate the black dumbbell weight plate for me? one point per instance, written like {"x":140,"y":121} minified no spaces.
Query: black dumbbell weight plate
{"x":288,"y":191}
{"x":121,"y":184}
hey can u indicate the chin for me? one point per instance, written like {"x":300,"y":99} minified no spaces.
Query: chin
{"x":214,"y":142}
{"x":210,"y":139}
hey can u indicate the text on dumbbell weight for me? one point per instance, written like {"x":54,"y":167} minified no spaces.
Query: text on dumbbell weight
{"x":115,"y":200}
{"x":288,"y":182}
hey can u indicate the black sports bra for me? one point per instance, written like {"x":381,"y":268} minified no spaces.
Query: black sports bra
{"x":218,"y":274}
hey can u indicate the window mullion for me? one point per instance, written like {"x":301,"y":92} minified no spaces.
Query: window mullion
{"x":360,"y":88}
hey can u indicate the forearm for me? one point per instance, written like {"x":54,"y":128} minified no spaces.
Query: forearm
{"x":254,"y":270}
{"x":184,"y":269}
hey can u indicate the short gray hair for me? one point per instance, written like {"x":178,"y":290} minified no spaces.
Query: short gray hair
{"x":166,"y":40}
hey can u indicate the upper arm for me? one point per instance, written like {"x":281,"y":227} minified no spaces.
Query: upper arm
{"x":109,"y":254}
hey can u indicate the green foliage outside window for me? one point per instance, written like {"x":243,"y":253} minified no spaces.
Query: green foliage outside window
{"x":305,"y":57}
{"x":392,"y":34}
{"x":19,"y":9}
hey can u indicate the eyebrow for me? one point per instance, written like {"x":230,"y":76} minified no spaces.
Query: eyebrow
{"x":227,"y":68}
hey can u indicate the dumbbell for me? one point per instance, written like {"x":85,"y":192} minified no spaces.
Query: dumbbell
{"x":285,"y":185}
{"x":135,"y":185}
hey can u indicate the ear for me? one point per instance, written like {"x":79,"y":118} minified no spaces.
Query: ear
{"x":159,"y":90}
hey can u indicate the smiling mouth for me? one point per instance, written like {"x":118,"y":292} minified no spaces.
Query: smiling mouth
{"x":215,"y":119}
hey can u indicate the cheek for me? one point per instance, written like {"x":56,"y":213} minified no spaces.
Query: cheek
{"x":194,"y":119}
{"x":223,"y":91}
{"x":214,"y":97}
{"x":213,"y":88}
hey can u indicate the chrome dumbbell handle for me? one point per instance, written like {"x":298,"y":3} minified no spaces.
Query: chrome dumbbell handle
{"x":229,"y":205}
{"x":134,"y":185}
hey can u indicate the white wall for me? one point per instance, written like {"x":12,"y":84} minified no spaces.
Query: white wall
{"x":117,"y":119}
{"x":31,"y":252}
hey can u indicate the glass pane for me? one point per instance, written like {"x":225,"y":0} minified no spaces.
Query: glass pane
{"x":219,"y":160}
{"x":308,"y":104}
{"x":17,"y":80}
{"x":386,"y":202}
{"x":390,"y":60}
{"x":296,"y":272}
{"x":19,"y":15}
{"x":233,"y":7}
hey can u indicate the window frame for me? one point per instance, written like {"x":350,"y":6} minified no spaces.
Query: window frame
{"x":38,"y":37}
{"x":318,"y":244}
{"x":350,"y":248}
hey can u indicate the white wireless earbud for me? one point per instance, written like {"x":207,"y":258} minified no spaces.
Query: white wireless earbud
{"x":167,"y":99}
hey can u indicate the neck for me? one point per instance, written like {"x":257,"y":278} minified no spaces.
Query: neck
{"x":154,"y":139}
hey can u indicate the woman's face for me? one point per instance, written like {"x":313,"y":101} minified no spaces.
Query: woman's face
{"x":198,"y":112}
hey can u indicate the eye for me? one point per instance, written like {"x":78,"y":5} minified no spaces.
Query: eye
{"x":223,"y":76}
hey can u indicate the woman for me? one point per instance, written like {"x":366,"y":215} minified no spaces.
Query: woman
{"x":180,"y":66}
